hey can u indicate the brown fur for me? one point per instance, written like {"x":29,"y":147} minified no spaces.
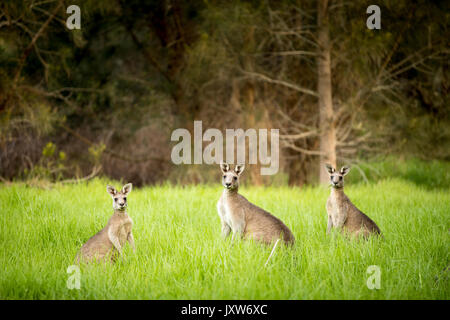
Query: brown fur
{"x":342,"y":213}
{"x":107,"y":244}
{"x":245,"y":219}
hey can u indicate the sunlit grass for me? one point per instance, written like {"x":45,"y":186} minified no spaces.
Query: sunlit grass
{"x":180,"y":254}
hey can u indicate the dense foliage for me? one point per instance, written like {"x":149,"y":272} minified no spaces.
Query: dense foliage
{"x":110,"y":94}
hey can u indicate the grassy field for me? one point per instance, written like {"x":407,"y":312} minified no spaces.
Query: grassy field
{"x":180,"y":254}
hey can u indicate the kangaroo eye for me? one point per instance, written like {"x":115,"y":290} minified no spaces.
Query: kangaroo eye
{"x":125,"y":199}
{"x":340,"y":178}
{"x":224,"y":177}
{"x":235,"y":178}
{"x":115,"y":199}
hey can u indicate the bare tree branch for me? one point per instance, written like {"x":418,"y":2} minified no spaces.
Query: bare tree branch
{"x":280,"y":82}
{"x":33,"y":41}
{"x":302,"y":150}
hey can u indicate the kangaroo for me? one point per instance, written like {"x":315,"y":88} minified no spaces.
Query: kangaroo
{"x":242,"y":217}
{"x":109,"y":241}
{"x":342,"y":213}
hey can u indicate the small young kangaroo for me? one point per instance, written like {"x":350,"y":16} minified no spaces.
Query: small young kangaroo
{"x":109,"y":241}
{"x":243,"y":218}
{"x":342,"y":213}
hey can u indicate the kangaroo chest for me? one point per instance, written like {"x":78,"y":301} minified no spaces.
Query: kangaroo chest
{"x":336,"y":209}
{"x":124,"y":229}
{"x":227,"y":211}
{"x":336,"y":205}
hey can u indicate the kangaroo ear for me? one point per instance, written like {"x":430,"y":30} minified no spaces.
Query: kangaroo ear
{"x":111,"y":190}
{"x":329,"y":168}
{"x":239,"y":168}
{"x":127,"y":188}
{"x":225,"y":167}
{"x":345,"y":170}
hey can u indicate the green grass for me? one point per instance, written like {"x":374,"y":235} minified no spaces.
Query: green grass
{"x":180,"y":254}
{"x":427,"y":174}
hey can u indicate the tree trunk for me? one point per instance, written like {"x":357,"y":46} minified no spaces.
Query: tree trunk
{"x":249,"y":103}
{"x":327,"y":129}
{"x":255,"y":174}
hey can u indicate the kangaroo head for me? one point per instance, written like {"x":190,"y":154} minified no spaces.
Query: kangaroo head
{"x":119,"y":197}
{"x":230,"y":178}
{"x":337,"y":177}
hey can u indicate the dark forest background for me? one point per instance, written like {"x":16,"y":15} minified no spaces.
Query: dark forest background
{"x":104,"y":99}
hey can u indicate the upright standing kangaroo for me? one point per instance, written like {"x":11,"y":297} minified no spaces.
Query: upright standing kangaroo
{"x":109,"y":241}
{"x":342,"y":213}
{"x":243,"y":218}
